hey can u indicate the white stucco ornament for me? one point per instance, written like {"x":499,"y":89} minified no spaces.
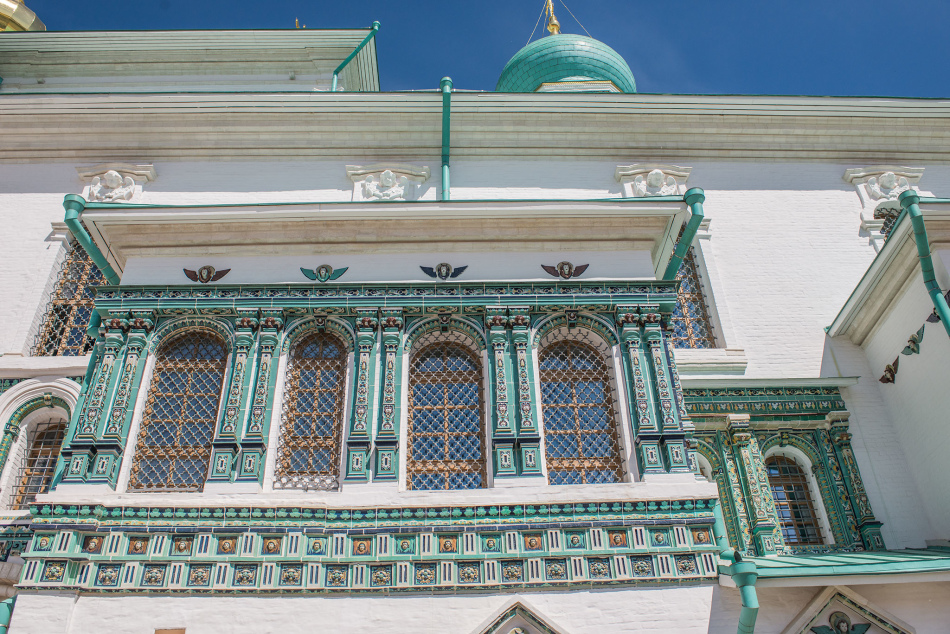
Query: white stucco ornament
{"x":887,"y":186}
{"x":878,"y":188}
{"x":387,"y":182}
{"x":115,"y":182}
{"x":648,"y":179}
{"x":389,"y":186}
{"x":111,"y":188}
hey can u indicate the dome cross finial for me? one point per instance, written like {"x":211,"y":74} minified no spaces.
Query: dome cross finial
{"x":554,"y":27}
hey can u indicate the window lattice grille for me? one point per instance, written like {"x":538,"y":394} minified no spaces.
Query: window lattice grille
{"x":36,"y":470}
{"x":793,"y":503}
{"x":174,"y":445}
{"x":691,"y":325}
{"x":889,"y":216}
{"x":580,"y":429}
{"x":446,"y":414}
{"x":70,"y":307}
{"x":313,"y":407}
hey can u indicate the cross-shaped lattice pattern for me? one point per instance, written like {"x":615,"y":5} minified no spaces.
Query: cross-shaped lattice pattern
{"x":580,"y":430}
{"x":312,"y":426}
{"x":691,"y":325}
{"x":36,"y":471}
{"x":446,"y":428}
{"x":70,"y":307}
{"x":174,"y":444}
{"x":793,"y":503}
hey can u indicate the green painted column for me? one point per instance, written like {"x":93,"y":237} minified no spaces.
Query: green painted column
{"x":868,"y":526}
{"x":365,"y":362}
{"x":763,"y":519}
{"x":226,"y":444}
{"x":529,"y":434}
{"x":257,"y":418}
{"x":639,"y":381}
{"x":504,"y":427}
{"x":386,"y":464}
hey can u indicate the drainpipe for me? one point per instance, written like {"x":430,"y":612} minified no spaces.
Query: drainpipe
{"x":694,"y":199}
{"x":6,"y":613}
{"x":75,"y":205}
{"x":349,"y":58}
{"x":744,"y":573}
{"x":909,"y":200}
{"x":446,"y":86}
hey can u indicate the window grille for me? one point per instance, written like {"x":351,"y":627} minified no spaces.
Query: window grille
{"x":889,"y":215}
{"x":36,"y":470}
{"x":174,"y":444}
{"x":70,"y":307}
{"x":313,"y":407}
{"x":691,"y":325}
{"x":446,"y":415}
{"x":793,"y":503}
{"x":580,"y":428}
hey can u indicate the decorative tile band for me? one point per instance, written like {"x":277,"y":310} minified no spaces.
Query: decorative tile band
{"x":338,"y":562}
{"x":84,"y":516}
{"x":766,"y":403}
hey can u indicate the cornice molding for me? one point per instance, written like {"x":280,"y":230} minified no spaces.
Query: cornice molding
{"x":405,"y":127}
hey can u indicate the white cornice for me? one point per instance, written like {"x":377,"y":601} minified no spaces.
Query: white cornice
{"x":894,"y":265}
{"x":406,"y":127}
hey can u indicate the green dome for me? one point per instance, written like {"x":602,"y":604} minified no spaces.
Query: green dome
{"x":563,"y":57}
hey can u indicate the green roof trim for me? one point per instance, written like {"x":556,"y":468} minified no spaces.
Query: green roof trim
{"x":885,"y":562}
{"x":564,"y":57}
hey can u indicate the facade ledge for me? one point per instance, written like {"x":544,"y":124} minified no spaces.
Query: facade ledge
{"x":13,"y":366}
{"x":691,"y":362}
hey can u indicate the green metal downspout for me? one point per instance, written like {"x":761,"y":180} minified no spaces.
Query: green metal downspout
{"x":744,"y":573}
{"x":446,"y":86}
{"x":6,"y":613}
{"x":349,"y":58}
{"x":694,"y":198}
{"x":909,"y":200}
{"x":75,"y":205}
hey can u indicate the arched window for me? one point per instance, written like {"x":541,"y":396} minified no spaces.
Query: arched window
{"x":70,"y":307}
{"x":446,"y":414}
{"x":793,"y":503}
{"x":692,"y":327}
{"x":37,"y":468}
{"x":174,"y":445}
{"x":312,"y":428}
{"x":580,"y":426}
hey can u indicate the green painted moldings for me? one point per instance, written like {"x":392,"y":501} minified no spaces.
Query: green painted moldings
{"x":554,"y":296}
{"x":90,"y":517}
{"x":765,"y":404}
{"x":565,"y":57}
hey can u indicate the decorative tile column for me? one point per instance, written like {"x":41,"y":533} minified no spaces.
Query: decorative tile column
{"x":529,"y":434}
{"x":94,"y":418}
{"x":386,"y":464}
{"x":257,"y":427}
{"x":642,"y":406}
{"x":359,"y":439}
{"x":868,"y":526}
{"x":503,"y":423}
{"x":755,"y":484}
{"x":226,"y":445}
{"x":110,"y":444}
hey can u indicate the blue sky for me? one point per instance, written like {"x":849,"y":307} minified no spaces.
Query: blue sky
{"x":808,"y":47}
